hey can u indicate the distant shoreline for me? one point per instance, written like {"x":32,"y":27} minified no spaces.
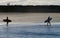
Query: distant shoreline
{"x":30,"y":8}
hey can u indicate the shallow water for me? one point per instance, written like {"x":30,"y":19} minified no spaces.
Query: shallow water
{"x":37,"y":31}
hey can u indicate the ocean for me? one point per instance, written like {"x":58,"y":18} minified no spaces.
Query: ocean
{"x":29,"y":31}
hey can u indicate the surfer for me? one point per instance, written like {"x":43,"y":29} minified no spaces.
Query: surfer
{"x":48,"y":21}
{"x":7,"y":20}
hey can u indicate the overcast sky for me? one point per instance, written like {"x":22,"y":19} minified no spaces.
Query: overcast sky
{"x":30,"y":2}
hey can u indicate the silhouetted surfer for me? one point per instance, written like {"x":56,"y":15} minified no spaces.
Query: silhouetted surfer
{"x":7,"y":20}
{"x":48,"y":21}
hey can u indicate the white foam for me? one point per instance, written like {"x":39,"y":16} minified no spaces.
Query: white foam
{"x":30,"y":23}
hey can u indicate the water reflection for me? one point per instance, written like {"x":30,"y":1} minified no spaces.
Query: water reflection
{"x":36,"y":31}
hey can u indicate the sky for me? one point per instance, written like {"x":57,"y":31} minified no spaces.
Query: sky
{"x":30,"y":2}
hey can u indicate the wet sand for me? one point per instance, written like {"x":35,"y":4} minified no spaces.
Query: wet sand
{"x":30,"y":17}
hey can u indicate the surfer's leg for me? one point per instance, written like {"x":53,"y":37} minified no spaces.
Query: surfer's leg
{"x":47,"y":24}
{"x":50,"y":24}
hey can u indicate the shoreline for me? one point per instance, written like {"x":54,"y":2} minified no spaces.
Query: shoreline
{"x":29,"y":24}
